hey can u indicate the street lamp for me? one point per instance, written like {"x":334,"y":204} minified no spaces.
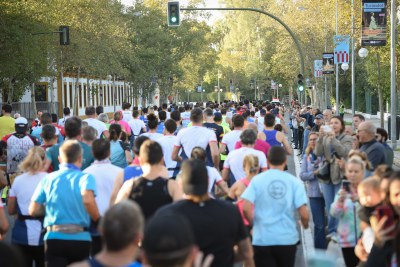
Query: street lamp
{"x":277,"y":90}
{"x":188,"y":91}
{"x":345,"y":66}
{"x":202,"y":91}
{"x":363,"y":52}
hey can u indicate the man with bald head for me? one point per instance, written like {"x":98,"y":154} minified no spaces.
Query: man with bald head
{"x":327,"y":116}
{"x":375,"y":151}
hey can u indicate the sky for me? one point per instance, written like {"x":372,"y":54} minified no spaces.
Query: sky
{"x":208,"y":3}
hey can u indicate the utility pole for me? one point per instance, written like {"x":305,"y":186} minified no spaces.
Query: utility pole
{"x":337,"y":64}
{"x":353,"y":63}
{"x":393,"y":96}
{"x":219,"y":93}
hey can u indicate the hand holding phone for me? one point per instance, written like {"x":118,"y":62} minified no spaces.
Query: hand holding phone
{"x":346,"y":185}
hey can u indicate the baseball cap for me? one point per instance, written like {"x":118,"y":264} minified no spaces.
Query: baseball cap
{"x":168,"y":236}
{"x":194,"y":177}
{"x":21,"y":122}
{"x":319,"y":116}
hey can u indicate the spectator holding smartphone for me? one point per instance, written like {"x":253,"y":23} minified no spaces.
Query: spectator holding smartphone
{"x":345,"y":208}
{"x":332,"y":139}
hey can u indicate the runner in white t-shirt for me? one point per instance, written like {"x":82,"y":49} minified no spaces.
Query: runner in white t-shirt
{"x":229,"y":140}
{"x":234,"y":160}
{"x":152,"y":123}
{"x":167,"y":143}
{"x":100,"y":126}
{"x":197,"y":135}
{"x":214,"y":177}
{"x":104,"y":173}
{"x":186,"y":116}
{"x":136,"y":124}
{"x":126,"y":112}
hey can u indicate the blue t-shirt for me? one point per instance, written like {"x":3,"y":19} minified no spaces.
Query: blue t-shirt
{"x":38,"y":131}
{"x":61,"y":193}
{"x":160,"y":127}
{"x":276,"y":196}
{"x":131,"y":172}
{"x":117,"y":154}
{"x":53,"y":152}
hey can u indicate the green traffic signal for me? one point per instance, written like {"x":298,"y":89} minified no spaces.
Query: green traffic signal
{"x":300,"y":88}
{"x":173,"y":13}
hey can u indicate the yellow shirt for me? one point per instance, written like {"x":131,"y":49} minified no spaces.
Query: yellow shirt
{"x":7,"y":126}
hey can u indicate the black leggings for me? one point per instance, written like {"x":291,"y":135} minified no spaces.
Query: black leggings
{"x":275,"y":256}
{"x":350,"y":257}
{"x":32,"y":254}
{"x":60,"y":253}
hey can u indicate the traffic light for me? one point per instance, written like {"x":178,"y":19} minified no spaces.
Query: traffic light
{"x":64,"y":35}
{"x":173,"y":14}
{"x":300,"y":83}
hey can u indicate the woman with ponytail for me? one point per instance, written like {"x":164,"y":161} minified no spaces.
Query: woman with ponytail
{"x":251,"y":166}
{"x":26,"y":233}
{"x":120,"y":151}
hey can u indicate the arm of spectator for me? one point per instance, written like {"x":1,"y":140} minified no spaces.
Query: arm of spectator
{"x":338,"y":207}
{"x":90,"y":204}
{"x":319,"y":146}
{"x":304,"y":215}
{"x":342,"y":147}
{"x":305,"y":174}
{"x":174,"y":190}
{"x":244,"y":253}
{"x":116,"y":187}
{"x":214,"y":153}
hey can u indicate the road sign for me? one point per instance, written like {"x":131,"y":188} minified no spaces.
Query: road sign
{"x":318,"y":68}
{"x":328,"y":67}
{"x":342,"y":47}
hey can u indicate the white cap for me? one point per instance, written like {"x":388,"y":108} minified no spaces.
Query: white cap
{"x":21,"y":120}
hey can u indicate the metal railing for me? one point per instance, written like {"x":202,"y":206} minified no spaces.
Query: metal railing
{"x":25,"y":109}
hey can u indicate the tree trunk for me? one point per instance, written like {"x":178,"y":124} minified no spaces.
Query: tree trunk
{"x":52,"y":102}
{"x":101,"y":94}
{"x":76,"y":106}
{"x":380,"y":93}
{"x":11,"y":92}
{"x":33,"y":100}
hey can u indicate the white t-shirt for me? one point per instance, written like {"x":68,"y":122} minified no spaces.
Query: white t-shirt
{"x":136,"y":125}
{"x":188,"y":138}
{"x":234,"y":161}
{"x":98,"y":125}
{"x":185,"y":118}
{"x":229,"y":114}
{"x":214,"y":177}
{"x":22,"y":189}
{"x":61,"y":122}
{"x":153,"y":136}
{"x":167,"y":143}
{"x":105,"y":174}
{"x":127,"y":115}
{"x":257,"y":115}
{"x":260,"y":124}
{"x":231,"y":138}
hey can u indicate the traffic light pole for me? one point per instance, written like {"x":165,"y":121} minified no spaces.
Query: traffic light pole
{"x":296,"y":41}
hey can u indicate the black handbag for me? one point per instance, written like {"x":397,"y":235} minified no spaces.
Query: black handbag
{"x":324,"y":171}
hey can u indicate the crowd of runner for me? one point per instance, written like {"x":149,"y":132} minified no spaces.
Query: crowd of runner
{"x":203,"y":184}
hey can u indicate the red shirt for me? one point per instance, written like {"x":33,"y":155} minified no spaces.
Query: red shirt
{"x":260,"y":145}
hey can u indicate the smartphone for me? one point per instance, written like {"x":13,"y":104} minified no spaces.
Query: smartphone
{"x":327,"y":128}
{"x":385,"y":210}
{"x":346,"y":185}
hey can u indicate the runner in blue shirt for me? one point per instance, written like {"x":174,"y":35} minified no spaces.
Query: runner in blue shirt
{"x":66,"y":198}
